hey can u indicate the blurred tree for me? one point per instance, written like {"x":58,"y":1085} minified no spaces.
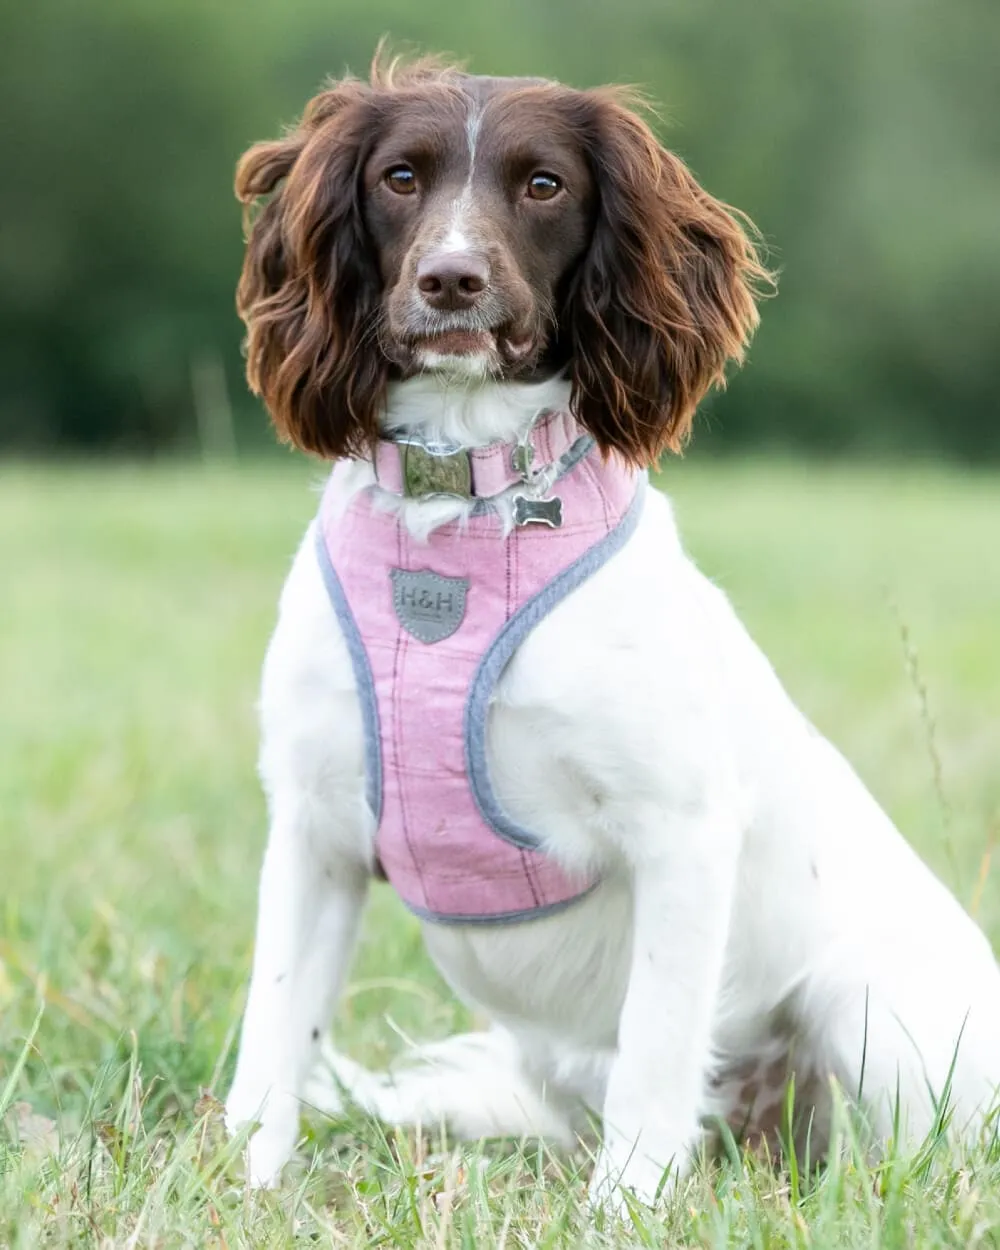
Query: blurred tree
{"x":863,"y":138}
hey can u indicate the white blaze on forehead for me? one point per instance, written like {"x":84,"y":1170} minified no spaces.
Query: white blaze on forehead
{"x":457,"y":238}
{"x":472,"y":123}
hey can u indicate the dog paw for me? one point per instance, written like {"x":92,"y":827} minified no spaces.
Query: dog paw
{"x":324,"y":1093}
{"x":271,"y":1143}
{"x":338,"y":1082}
{"x":614,"y":1186}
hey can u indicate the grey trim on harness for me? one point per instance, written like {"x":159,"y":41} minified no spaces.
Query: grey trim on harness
{"x":507,"y":917}
{"x":499,"y":653}
{"x":362,"y":676}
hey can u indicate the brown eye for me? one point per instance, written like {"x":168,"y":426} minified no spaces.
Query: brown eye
{"x":543,"y":186}
{"x":401,"y":179}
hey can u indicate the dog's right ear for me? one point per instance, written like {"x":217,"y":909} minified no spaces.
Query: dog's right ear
{"x":309,"y":292}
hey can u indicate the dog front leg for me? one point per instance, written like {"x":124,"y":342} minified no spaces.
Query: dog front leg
{"x":308,"y":917}
{"x":682,"y":899}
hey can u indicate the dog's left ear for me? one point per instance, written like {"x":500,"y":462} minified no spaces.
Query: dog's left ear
{"x":665,"y":295}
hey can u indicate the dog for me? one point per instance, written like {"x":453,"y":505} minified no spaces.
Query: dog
{"x":453,"y":286}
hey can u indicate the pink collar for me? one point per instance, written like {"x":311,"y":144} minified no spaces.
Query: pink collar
{"x":412,"y":467}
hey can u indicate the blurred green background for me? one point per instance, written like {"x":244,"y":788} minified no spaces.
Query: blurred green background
{"x":863,"y":137}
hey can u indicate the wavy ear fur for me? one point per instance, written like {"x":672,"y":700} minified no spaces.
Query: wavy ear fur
{"x":309,"y":290}
{"x":664,"y":297}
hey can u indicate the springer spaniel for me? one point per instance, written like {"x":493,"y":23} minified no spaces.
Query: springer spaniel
{"x":495,"y":302}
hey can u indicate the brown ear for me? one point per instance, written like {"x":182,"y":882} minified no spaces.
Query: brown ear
{"x":664,"y":298}
{"x":309,"y":290}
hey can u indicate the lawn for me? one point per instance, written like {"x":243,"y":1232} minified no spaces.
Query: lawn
{"x":135,"y":604}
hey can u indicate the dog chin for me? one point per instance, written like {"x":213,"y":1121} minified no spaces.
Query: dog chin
{"x":482,"y":364}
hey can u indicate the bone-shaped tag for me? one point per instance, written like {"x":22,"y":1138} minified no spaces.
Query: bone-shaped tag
{"x":538,"y":511}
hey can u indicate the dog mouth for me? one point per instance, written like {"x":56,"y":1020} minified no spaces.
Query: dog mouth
{"x":504,"y":346}
{"x":456,"y":343}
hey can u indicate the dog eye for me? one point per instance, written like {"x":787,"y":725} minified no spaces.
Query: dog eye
{"x":543,"y":186}
{"x":401,"y":179}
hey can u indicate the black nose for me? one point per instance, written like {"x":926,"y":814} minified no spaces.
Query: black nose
{"x":452,"y":280}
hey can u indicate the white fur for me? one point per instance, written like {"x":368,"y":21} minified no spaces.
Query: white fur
{"x":461,"y":365}
{"x":457,"y":240}
{"x":756,"y":900}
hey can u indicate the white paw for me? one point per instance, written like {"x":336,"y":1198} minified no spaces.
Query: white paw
{"x":337,"y":1082}
{"x":272,"y":1143}
{"x":635,"y":1177}
{"x":324,"y":1093}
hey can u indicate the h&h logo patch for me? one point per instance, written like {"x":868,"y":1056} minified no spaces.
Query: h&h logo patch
{"x":428,"y":606}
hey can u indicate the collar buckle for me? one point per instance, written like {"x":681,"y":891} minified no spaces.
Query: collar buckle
{"x":435,"y":469}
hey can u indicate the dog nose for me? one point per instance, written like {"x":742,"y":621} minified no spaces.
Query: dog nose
{"x":452,"y":280}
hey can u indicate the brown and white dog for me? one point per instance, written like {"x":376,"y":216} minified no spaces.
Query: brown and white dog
{"x":442,"y":257}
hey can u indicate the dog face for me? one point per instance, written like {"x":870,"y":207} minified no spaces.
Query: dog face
{"x":479,"y":203}
{"x":503,"y":228}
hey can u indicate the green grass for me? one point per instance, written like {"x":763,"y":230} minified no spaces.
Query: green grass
{"x":134,"y":608}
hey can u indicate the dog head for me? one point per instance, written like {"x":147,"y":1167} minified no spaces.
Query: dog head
{"x":481,"y":227}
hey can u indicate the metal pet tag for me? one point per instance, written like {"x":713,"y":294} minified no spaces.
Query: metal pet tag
{"x":538,"y":511}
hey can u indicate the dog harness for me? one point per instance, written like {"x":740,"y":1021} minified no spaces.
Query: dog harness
{"x":431,"y":625}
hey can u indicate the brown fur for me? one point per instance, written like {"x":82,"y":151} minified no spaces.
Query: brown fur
{"x":644,"y":286}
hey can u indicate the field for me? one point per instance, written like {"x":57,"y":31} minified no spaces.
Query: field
{"x":135,"y":604}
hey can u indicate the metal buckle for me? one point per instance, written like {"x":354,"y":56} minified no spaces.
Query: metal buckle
{"x":534,"y":507}
{"x":435,"y":469}
{"x":522,"y":458}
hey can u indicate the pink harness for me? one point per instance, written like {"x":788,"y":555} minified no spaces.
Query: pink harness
{"x":430,"y":627}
